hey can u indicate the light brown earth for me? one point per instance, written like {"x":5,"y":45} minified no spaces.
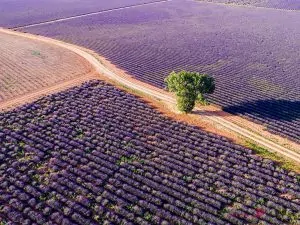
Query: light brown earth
{"x":211,"y":118}
{"x":28,"y":65}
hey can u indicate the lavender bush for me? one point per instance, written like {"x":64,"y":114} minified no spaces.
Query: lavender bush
{"x":25,"y":12}
{"x":252,"y":61}
{"x":276,"y":4}
{"x":96,"y":155}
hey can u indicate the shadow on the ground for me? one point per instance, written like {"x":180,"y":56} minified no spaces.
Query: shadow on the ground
{"x":281,"y":110}
{"x":207,"y":112}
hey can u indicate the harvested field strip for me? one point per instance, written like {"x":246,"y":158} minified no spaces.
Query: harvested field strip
{"x":29,"y":97}
{"x":36,"y":19}
{"x":29,"y":65}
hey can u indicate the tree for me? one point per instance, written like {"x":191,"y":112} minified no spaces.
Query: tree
{"x":189,"y":88}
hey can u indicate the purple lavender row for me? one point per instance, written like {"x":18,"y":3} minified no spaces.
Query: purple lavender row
{"x":26,"y":12}
{"x":94,"y":154}
{"x":255,"y":64}
{"x":276,"y":4}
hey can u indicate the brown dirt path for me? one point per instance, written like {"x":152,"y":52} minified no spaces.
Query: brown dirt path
{"x":230,"y":126}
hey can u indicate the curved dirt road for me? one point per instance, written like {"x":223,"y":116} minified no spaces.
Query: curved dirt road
{"x":101,"y":66}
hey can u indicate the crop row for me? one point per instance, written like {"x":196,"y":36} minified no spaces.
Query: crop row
{"x":96,"y":155}
{"x":255,"y":66}
{"x":27,"y":12}
{"x":277,"y":4}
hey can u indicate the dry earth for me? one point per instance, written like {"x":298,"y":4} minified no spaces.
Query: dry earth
{"x":28,"y":65}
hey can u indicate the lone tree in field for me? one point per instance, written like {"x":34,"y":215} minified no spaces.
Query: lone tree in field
{"x":189,"y":88}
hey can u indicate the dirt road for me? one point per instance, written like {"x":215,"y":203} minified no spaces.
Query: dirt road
{"x":102,"y":66}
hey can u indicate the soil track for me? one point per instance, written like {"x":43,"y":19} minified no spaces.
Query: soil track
{"x":104,"y":67}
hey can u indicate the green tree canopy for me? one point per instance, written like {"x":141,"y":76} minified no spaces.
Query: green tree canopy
{"x":189,"y":88}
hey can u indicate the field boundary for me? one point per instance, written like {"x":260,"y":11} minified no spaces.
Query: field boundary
{"x":246,"y":6}
{"x":29,"y":97}
{"x":86,"y":14}
{"x":101,"y":66}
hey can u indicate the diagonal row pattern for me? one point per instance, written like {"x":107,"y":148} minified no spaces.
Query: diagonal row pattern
{"x":27,"y":12}
{"x":96,"y":155}
{"x":255,"y":63}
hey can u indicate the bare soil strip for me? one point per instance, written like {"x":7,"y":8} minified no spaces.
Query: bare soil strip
{"x":87,"y":14}
{"x":27,"y":66}
{"x":27,"y":98}
{"x":104,"y":67}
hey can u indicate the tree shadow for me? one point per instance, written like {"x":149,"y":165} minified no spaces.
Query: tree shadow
{"x":205,"y":112}
{"x":280,"y":110}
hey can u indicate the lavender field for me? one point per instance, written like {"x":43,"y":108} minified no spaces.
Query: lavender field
{"x":253,"y":53}
{"x":96,"y":155}
{"x":276,"y":4}
{"x":25,"y":12}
